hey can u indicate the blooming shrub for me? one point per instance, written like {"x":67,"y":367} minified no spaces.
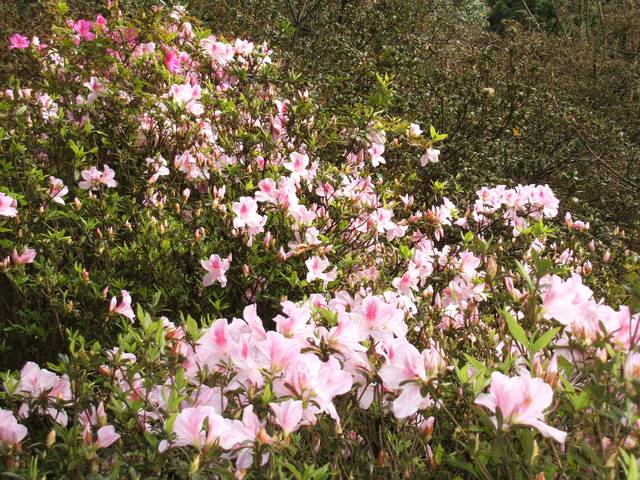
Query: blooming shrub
{"x":235,"y":289}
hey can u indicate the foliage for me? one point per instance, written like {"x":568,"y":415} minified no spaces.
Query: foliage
{"x":226,"y":275}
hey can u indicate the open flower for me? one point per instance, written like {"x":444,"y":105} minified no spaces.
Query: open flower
{"x":316,"y":267}
{"x":27,"y":256}
{"x":11,"y":432}
{"x":287,"y":415}
{"x":521,"y":400}
{"x":7,"y":206}
{"x":217,"y":268}
{"x":124,"y":307}
{"x":57,"y":190}
{"x":19,"y":42}
{"x":93,"y":178}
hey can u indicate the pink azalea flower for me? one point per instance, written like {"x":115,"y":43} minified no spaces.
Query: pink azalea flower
{"x":8,"y":206}
{"x":414,"y":131}
{"x":27,"y":256}
{"x":287,"y":415}
{"x":377,"y":318}
{"x":430,"y":156}
{"x":246,"y":210}
{"x":97,"y":89}
{"x":187,"y":95}
{"x":521,"y":400}
{"x":172,"y":60}
{"x":220,"y":52}
{"x":19,"y":42}
{"x":11,"y":432}
{"x":57,"y":190}
{"x":408,"y":370}
{"x":124,"y":307}
{"x":316,"y":267}
{"x":298,"y":166}
{"x":83,"y":29}
{"x":189,"y":427}
{"x":407,"y":282}
{"x":561,"y":298}
{"x":217,"y":269}
{"x":106,"y":436}
{"x":93,"y":177}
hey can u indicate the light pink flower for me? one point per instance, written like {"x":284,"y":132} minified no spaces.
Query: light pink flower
{"x":124,"y":307}
{"x":93,"y":178}
{"x":298,"y":166}
{"x":521,"y":400}
{"x":316,"y":267}
{"x":246,"y":210}
{"x":217,"y":268}
{"x":96,"y":89}
{"x":11,"y":432}
{"x":106,"y":436}
{"x":430,"y":156}
{"x":287,"y":415}
{"x":18,"y":42}
{"x":8,"y":206}
{"x":27,"y":256}
{"x":189,"y":427}
{"x":187,"y":96}
{"x":57,"y":190}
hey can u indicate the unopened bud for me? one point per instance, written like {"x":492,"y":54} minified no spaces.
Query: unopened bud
{"x":51,"y":438}
{"x":607,"y":256}
{"x":85,"y":275}
{"x":491,"y":267}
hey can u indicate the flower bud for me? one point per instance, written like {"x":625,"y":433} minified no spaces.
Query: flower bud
{"x":491,"y":267}
{"x":51,"y":438}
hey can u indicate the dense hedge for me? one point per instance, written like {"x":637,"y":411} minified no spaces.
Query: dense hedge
{"x":213,"y":267}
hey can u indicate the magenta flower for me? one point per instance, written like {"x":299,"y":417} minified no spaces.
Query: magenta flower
{"x":19,"y":42}
{"x":8,"y":206}
{"x":521,"y":401}
{"x":83,"y":29}
{"x":11,"y":432}
{"x":124,"y":307}
{"x":217,"y":268}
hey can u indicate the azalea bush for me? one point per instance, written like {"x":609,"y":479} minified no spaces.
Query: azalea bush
{"x":205,"y":274}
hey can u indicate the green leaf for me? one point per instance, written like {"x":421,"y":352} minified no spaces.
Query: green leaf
{"x":517,"y":332}
{"x":543,"y":340}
